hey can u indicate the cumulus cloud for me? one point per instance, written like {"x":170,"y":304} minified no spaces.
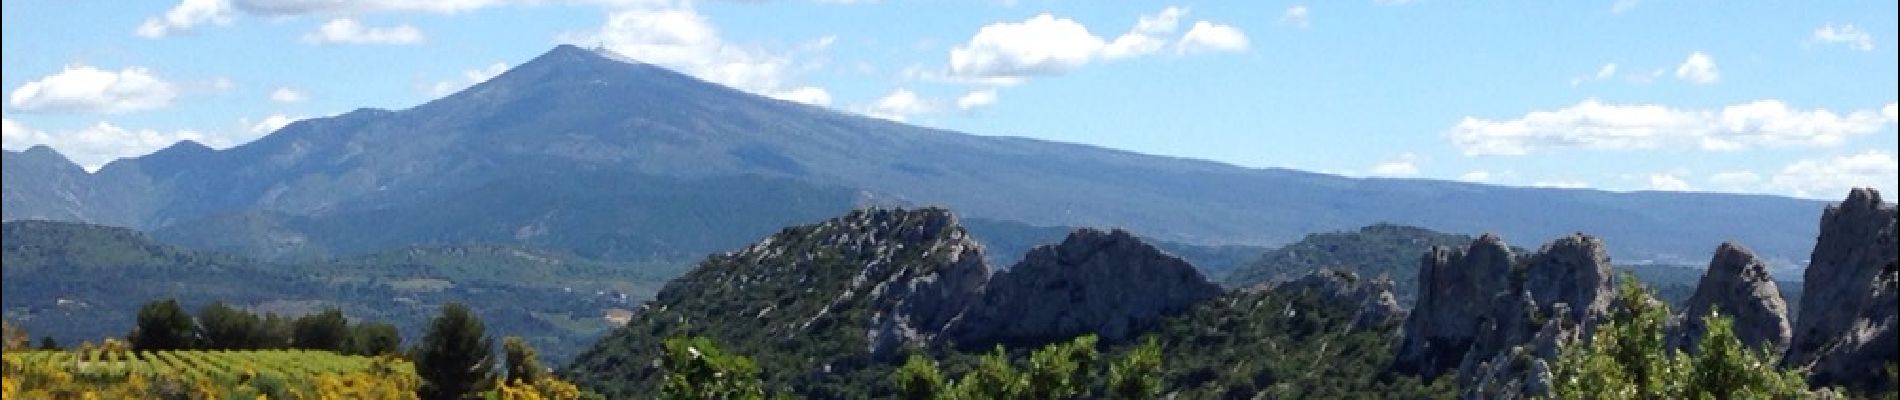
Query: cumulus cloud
{"x":1007,"y":53}
{"x":336,"y":7}
{"x":1041,"y":45}
{"x":348,"y":31}
{"x":93,"y":146}
{"x":1598,"y":126}
{"x":1477,"y":176}
{"x":1831,"y":177}
{"x":898,"y":106}
{"x":812,"y":95}
{"x":1698,"y":69}
{"x":85,"y":89}
{"x":1668,"y":182}
{"x":1561,"y":184}
{"x":1146,"y":37}
{"x":1405,"y":165}
{"x":1890,"y":111}
{"x":269,"y":124}
{"x":1847,"y":35}
{"x":1297,"y":16}
{"x":185,"y":17}
{"x":1621,"y":6}
{"x":977,"y":99}
{"x":469,"y":78}
{"x":287,"y":95}
{"x":1208,"y":36}
{"x":680,"y":38}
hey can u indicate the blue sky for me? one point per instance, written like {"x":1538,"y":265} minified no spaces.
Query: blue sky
{"x":1779,"y":97}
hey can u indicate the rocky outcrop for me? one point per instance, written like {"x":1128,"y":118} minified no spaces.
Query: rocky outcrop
{"x":1736,"y":286}
{"x":1107,"y":283}
{"x":1846,"y":331}
{"x":1377,"y":305}
{"x":1455,"y":289}
{"x":916,"y":304}
{"x":1497,"y":323}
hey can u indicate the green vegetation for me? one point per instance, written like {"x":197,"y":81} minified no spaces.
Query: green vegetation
{"x":1382,"y":249}
{"x":77,"y":282}
{"x":1626,"y":359}
{"x":454,"y":358}
{"x":116,"y":372}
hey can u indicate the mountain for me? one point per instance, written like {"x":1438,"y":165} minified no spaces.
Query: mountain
{"x":78,"y":282}
{"x":457,"y":163}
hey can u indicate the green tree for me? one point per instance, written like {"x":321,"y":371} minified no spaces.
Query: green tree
{"x":47,"y":343}
{"x":326,"y":330}
{"x":522,"y":364}
{"x":273,"y":333}
{"x":1137,"y":375}
{"x":454,"y":358}
{"x":696,"y":369}
{"x":993,"y":378}
{"x":374,"y":339}
{"x":221,"y":326}
{"x":164,"y":325}
{"x":1726,"y":369}
{"x":1062,"y":370}
{"x":919,"y":379}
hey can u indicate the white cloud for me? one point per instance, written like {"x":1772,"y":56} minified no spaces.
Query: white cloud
{"x":1668,"y":182}
{"x":1848,"y":35}
{"x":348,"y":31}
{"x":1298,"y":16}
{"x":677,"y":37}
{"x":977,"y":99}
{"x":81,"y":88}
{"x":93,"y":146}
{"x":1041,"y":45}
{"x":1622,"y":6}
{"x":287,"y":95}
{"x":185,"y":17}
{"x":1699,"y":69}
{"x":1603,"y":73}
{"x":469,"y":78}
{"x":812,"y":95}
{"x":1208,"y":36}
{"x":1735,"y":180}
{"x":1479,"y":176}
{"x":1145,"y":38}
{"x":346,"y":7}
{"x":1597,"y":126}
{"x":1831,"y":177}
{"x":270,"y":124}
{"x":1405,"y":165}
{"x":1891,"y":112}
{"x":898,"y":106}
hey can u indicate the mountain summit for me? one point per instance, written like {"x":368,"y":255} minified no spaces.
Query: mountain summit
{"x":631,"y":148}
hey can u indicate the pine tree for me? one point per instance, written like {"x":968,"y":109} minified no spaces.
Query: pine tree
{"x":1137,"y":375}
{"x":919,"y":379}
{"x":374,"y":339}
{"x":697,"y":369}
{"x":164,"y":325}
{"x":454,"y":359}
{"x":325,"y":330}
{"x":523,"y":365}
{"x":221,"y":326}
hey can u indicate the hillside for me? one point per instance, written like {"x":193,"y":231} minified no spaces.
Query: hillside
{"x":78,"y":282}
{"x":577,"y":114}
{"x":1375,"y":250}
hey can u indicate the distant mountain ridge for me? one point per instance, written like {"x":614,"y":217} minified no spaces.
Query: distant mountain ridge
{"x":573,"y":112}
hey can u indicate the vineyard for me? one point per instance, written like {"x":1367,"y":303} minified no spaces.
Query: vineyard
{"x":205,"y":374}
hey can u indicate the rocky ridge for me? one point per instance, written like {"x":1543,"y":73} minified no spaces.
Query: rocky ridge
{"x":1107,"y":283}
{"x":1846,"y":332}
{"x":1737,"y":286}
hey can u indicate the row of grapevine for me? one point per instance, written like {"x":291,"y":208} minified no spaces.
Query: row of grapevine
{"x":206,"y":374}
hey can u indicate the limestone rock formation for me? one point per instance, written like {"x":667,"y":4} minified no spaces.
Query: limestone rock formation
{"x":1497,"y":322}
{"x":1737,"y":286}
{"x":1846,"y":331}
{"x":1455,"y":288}
{"x":1107,"y":283}
{"x":1377,"y":304}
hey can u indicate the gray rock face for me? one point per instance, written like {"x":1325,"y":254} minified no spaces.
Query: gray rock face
{"x":1455,"y":288}
{"x":1846,"y":331}
{"x":1377,"y":304}
{"x":1107,"y":283}
{"x":914,"y":305}
{"x":1498,"y":330}
{"x":1737,"y":286}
